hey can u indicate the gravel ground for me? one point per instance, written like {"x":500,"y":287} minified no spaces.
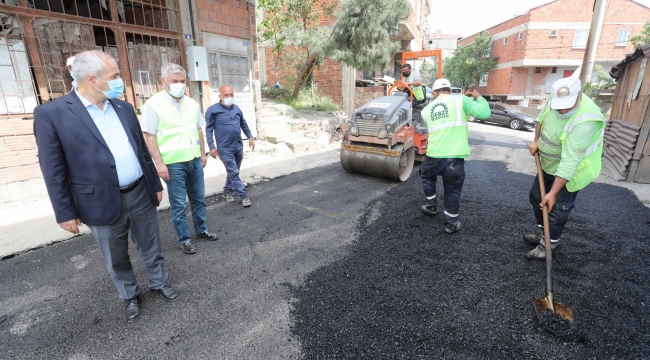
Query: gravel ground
{"x":408,"y":290}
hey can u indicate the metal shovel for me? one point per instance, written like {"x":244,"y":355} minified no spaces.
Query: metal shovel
{"x":547,"y":302}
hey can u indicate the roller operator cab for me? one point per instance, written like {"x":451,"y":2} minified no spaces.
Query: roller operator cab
{"x":383,"y":137}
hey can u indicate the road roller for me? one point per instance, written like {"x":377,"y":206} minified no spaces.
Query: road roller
{"x":383,"y":137}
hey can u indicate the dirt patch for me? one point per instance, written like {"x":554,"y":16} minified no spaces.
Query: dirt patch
{"x":408,"y":290}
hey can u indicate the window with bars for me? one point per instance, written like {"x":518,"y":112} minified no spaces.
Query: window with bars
{"x":146,"y":55}
{"x":96,"y":9}
{"x":159,"y":14}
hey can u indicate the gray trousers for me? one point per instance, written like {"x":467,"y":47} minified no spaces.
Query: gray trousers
{"x":139,"y":219}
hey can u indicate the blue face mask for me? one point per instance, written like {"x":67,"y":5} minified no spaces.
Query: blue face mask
{"x":567,"y":115}
{"x":73,"y":77}
{"x":115,"y":88}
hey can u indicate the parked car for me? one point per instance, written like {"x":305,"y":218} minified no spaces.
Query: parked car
{"x":505,"y":114}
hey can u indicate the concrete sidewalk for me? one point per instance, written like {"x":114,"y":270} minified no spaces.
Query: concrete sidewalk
{"x":27,"y":220}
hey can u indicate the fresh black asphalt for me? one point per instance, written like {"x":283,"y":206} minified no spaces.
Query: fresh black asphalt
{"x":327,"y":264}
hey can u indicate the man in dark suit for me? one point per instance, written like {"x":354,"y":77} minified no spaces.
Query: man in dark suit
{"x":98,"y":171}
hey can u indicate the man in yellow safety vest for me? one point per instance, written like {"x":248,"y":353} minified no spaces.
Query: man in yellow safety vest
{"x":569,"y":139}
{"x":172,"y":123}
{"x":447,"y":147}
{"x":413,"y":80}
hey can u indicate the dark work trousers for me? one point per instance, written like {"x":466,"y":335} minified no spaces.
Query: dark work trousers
{"x":232,"y":161}
{"x":139,"y":219}
{"x":453,"y":177}
{"x":559,"y":214}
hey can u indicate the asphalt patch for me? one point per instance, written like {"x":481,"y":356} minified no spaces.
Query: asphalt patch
{"x":408,"y":290}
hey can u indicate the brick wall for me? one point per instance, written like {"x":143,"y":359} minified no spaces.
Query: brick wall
{"x":18,"y":160}
{"x":365,"y":94}
{"x":225,"y":17}
{"x":328,"y":77}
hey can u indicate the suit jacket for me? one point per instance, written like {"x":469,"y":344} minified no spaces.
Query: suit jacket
{"x":78,"y":168}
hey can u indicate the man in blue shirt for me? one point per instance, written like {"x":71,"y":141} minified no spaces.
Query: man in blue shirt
{"x":98,"y":171}
{"x":224,"y":123}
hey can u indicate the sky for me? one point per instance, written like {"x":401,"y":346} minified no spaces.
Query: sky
{"x":467,"y":17}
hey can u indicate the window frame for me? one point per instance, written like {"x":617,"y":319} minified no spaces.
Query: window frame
{"x":553,"y":33}
{"x":618,"y":37}
{"x":505,"y":41}
{"x":578,"y":35}
{"x":520,"y":36}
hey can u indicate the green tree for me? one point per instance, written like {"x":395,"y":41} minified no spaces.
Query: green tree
{"x":641,"y":38}
{"x":603,"y":81}
{"x":271,"y":28}
{"x":362,"y":35}
{"x":429,"y":72}
{"x":306,"y":33}
{"x":470,"y":62}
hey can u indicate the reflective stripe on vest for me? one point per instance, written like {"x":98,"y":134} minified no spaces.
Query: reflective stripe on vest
{"x":580,"y":118}
{"x":176,"y":130}
{"x":596,"y":145}
{"x":179,"y":146}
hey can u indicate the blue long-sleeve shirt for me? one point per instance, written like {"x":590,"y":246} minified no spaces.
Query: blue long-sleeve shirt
{"x":224,"y":125}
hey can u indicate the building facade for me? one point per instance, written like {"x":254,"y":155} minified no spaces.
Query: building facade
{"x":39,"y":35}
{"x":445,"y":42}
{"x":548,"y":43}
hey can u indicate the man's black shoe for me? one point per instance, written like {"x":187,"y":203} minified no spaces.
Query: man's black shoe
{"x":429,"y":211}
{"x":188,"y":248}
{"x":208,"y":236}
{"x":132,"y":309}
{"x":167,"y":292}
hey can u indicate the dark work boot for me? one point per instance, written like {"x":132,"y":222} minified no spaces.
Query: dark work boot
{"x":452,"y":228}
{"x":533,"y":239}
{"x":432,"y":211}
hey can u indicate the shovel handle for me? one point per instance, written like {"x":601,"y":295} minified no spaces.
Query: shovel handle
{"x":547,"y":232}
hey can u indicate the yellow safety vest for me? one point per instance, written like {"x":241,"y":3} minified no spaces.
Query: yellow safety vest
{"x":447,"y":126}
{"x":178,"y":136}
{"x":591,"y":164}
{"x":418,"y":93}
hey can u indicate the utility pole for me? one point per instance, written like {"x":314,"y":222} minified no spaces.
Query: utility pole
{"x":592,"y":43}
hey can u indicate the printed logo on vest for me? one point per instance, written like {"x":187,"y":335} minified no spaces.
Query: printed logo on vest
{"x":438,"y":114}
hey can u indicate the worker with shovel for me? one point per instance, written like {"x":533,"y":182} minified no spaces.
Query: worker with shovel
{"x":569,"y":140}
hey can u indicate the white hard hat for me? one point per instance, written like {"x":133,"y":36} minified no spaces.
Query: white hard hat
{"x":564,"y":93}
{"x":440,"y":84}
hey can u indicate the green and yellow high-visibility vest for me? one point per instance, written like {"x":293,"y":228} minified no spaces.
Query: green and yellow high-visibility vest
{"x":591,"y":164}
{"x":418,"y":93}
{"x":178,"y":136}
{"x":447,"y":126}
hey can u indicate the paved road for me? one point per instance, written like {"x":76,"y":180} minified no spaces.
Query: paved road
{"x":235,"y":299}
{"x":235,"y":294}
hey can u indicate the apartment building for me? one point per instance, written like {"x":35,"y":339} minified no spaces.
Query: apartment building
{"x":548,"y":43}
{"x":445,"y":42}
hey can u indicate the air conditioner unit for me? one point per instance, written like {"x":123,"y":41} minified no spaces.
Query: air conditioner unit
{"x":553,"y":33}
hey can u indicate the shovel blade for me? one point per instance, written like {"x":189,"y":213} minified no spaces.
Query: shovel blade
{"x":563,"y":311}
